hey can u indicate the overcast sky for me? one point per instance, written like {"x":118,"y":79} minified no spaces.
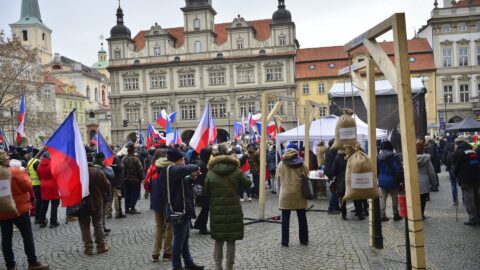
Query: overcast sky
{"x":78,"y":25}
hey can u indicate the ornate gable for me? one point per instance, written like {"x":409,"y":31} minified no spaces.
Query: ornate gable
{"x":245,"y":66}
{"x":239,"y":22}
{"x":186,"y":70}
{"x":216,"y":68}
{"x":156,"y":30}
{"x":247,"y":97}
{"x":273,"y":64}
{"x":158,"y":72}
{"x":463,"y":41}
{"x":218,"y":99}
{"x":187,"y":101}
{"x":132,"y":104}
{"x":446,"y":43}
{"x":160,"y":102}
{"x":447,"y":78}
{"x":130,"y":74}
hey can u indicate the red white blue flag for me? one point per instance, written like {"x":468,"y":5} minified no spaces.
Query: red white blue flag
{"x":69,"y":161}
{"x":21,"y":121}
{"x":200,"y":138}
{"x":177,"y":138}
{"x":163,"y":116}
{"x":102,"y":147}
{"x":169,"y":134}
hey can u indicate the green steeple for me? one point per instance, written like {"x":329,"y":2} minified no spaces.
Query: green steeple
{"x":31,"y":14}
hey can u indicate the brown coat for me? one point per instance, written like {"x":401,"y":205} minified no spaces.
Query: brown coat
{"x":98,"y":185}
{"x":290,"y":184}
{"x":321,"y":152}
{"x":21,"y":188}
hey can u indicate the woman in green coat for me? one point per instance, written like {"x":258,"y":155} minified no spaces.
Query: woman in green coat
{"x":223,"y":182}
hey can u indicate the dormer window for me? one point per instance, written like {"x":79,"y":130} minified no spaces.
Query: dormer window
{"x":446,"y":28}
{"x":156,"y":51}
{"x":282,"y":40}
{"x":197,"y":47}
{"x":239,"y":43}
{"x":196,"y":24}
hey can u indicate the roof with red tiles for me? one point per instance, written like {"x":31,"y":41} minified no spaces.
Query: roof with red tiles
{"x":59,"y":87}
{"x":262,"y":33}
{"x":328,"y":60}
{"x":466,"y":3}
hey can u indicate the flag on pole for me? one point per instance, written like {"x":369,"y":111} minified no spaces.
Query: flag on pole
{"x":21,"y":120}
{"x":177,"y":137}
{"x":201,"y":136}
{"x":253,"y":119}
{"x":163,"y":116}
{"x":259,"y":128}
{"x":272,"y":130}
{"x":212,"y":135}
{"x":169,"y":134}
{"x":141,"y":139}
{"x":69,"y":165}
{"x":152,"y":134}
{"x":102,"y":147}
{"x":238,"y":130}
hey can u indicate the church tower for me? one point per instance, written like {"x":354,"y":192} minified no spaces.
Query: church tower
{"x":32,"y":32}
{"x":199,"y":21}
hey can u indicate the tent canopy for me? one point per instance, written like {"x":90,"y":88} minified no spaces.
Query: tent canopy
{"x":382,"y":88}
{"x":324,"y":129}
{"x":469,"y":124}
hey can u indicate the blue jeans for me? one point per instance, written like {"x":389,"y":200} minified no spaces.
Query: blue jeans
{"x":453,"y":183}
{"x":302,"y":226}
{"x":332,"y":200}
{"x":25,"y":226}
{"x":181,"y":247}
{"x":256,"y":185}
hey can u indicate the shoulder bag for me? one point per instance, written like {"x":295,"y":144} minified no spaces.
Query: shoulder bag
{"x":307,"y":188}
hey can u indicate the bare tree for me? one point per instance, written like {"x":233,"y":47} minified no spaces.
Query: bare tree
{"x":21,"y":73}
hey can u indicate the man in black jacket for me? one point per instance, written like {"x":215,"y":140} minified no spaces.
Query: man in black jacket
{"x":466,"y":166}
{"x":181,"y":199}
{"x":328,"y":170}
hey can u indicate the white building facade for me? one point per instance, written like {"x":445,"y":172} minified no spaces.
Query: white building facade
{"x":179,"y":69}
{"x":454,"y":34}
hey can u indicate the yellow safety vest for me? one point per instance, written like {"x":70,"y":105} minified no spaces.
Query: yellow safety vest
{"x":32,"y":173}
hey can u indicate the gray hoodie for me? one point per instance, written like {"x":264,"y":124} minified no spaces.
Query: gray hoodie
{"x":426,"y":174}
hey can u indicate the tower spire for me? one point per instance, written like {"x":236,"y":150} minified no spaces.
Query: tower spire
{"x":30,"y":9}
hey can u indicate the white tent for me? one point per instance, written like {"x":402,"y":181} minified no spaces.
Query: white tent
{"x":324,"y":129}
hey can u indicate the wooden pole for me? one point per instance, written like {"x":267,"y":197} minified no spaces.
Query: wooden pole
{"x":308,"y":123}
{"x":263,"y":157}
{"x":405,"y":105}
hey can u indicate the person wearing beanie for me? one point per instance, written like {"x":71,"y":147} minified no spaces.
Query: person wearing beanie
{"x":21,"y":188}
{"x":389,"y":174}
{"x":180,"y":178}
{"x":134,"y":174}
{"x":223,"y":182}
{"x":466,"y":166}
{"x":289,"y":180}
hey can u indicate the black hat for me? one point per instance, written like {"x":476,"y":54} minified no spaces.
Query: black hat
{"x":174,"y":155}
{"x":100,"y":156}
{"x":130,"y":145}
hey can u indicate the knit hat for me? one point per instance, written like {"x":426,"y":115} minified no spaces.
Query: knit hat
{"x":292,"y":146}
{"x":290,"y":153}
{"x":174,"y":155}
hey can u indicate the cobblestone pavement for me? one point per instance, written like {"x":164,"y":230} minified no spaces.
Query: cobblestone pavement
{"x":334,"y":244}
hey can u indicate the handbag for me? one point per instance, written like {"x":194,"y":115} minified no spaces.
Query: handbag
{"x":172,"y":216}
{"x":307,"y":188}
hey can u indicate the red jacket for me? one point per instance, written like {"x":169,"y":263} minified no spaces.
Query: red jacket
{"x":21,"y":188}
{"x":48,"y":185}
{"x":152,"y":174}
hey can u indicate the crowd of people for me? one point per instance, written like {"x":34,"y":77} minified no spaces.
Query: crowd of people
{"x":176,"y":178}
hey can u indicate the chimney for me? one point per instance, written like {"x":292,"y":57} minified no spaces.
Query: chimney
{"x":448,"y":3}
{"x":56,"y":58}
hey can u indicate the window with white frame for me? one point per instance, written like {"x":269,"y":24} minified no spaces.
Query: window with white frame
{"x":132,"y":114}
{"x":282,"y":39}
{"x":158,"y":82}
{"x":271,"y":104}
{"x":321,"y":88}
{"x":306,"y":89}
{"x":219,"y":110}
{"x":130,"y":83}
{"x":189,"y":112}
{"x":462,"y":27}
{"x":463,"y":56}
{"x":447,"y":57}
{"x":156,"y":51}
{"x":186,"y":80}
{"x":274,"y":74}
{"x":446,"y":28}
{"x":196,"y":24}
{"x":156,"y":111}
{"x":197,"y":47}
{"x":448,"y":93}
{"x":323,"y":111}
{"x":247,"y":107}
{"x":464,"y":93}
{"x":217,"y":78}
{"x":240,"y":44}
{"x":245,"y":76}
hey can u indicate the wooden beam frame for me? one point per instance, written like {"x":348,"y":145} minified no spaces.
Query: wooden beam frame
{"x":399,"y":76}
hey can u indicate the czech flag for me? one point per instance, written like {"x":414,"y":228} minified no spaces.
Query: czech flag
{"x":212,"y":136}
{"x":103,"y":147}
{"x":253,"y":118}
{"x":21,"y":121}
{"x":201,"y":137}
{"x":69,"y":161}
{"x":152,"y":134}
{"x":163,"y":116}
{"x":169,"y":134}
{"x":177,"y":137}
{"x":238,"y":129}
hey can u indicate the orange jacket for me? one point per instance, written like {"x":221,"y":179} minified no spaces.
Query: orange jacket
{"x":21,"y":189}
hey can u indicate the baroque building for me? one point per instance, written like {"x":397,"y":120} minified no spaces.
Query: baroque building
{"x":180,"y":69}
{"x":453,"y":32}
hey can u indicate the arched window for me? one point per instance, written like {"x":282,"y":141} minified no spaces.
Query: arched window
{"x":196,"y":24}
{"x":198,"y":47}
